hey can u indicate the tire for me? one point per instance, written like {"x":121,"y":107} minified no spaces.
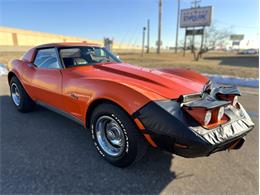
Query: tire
{"x":130,"y":148}
{"x":21,"y":99}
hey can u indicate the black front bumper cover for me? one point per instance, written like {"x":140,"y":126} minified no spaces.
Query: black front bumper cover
{"x":168,"y":124}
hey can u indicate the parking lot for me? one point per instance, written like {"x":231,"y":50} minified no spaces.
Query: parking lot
{"x":43,"y":152}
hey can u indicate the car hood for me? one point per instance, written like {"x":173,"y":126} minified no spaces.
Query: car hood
{"x":166,"y":85}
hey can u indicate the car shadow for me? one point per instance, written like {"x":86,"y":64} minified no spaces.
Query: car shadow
{"x":43,"y":152}
{"x":239,"y":60}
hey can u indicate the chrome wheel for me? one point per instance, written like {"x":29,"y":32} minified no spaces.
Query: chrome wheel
{"x":110,"y":136}
{"x":15,"y":94}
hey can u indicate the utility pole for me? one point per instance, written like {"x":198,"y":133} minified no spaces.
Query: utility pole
{"x":196,"y":3}
{"x":177,"y":27}
{"x":143,"y":41}
{"x":159,"y":27}
{"x":148,"y":36}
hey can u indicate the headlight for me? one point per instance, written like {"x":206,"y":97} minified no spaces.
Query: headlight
{"x":221,"y":113}
{"x":235,"y":100}
{"x":207,"y":118}
{"x":232,"y":98}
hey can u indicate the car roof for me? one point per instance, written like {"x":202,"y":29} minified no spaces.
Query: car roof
{"x":67,"y":44}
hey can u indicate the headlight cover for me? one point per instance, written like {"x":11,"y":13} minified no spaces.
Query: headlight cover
{"x":207,"y":118}
{"x":221,"y":113}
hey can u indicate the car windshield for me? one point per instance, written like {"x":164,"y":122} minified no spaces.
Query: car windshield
{"x":86,"y":55}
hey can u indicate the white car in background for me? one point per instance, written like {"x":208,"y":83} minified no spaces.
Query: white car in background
{"x":249,"y":51}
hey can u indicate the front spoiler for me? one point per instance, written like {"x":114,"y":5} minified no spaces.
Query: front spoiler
{"x":169,"y":126}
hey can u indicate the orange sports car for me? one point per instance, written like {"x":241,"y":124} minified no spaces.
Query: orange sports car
{"x":128,"y":107}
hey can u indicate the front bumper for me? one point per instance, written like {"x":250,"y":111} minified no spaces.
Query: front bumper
{"x":169,"y":126}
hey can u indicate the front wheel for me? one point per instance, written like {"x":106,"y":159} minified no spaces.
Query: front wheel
{"x":115,"y":135}
{"x":20,"y":98}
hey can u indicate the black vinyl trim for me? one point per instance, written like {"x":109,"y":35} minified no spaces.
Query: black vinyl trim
{"x":58,"y":111}
{"x":167,"y":123}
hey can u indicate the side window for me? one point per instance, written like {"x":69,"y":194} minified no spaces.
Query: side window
{"x":47,"y":58}
{"x":100,"y":52}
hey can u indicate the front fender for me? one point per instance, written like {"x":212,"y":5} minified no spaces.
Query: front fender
{"x":129,"y":98}
{"x":90,"y":90}
{"x":186,"y":73}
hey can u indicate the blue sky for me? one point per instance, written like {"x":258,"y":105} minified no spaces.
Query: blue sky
{"x":122,"y":19}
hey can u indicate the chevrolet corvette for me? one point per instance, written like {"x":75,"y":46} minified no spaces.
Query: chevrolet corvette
{"x":128,"y":108}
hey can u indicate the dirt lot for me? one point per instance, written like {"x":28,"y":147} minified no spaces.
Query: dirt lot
{"x":225,"y":63}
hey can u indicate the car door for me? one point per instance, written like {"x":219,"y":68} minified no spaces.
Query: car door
{"x":74,"y":99}
{"x":46,"y":79}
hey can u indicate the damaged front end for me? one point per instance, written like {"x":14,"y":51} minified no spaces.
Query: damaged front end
{"x":198,"y":124}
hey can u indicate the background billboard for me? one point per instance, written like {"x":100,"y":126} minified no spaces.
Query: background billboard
{"x":236,"y":37}
{"x":195,"y":17}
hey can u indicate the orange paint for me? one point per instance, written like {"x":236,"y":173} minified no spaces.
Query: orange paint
{"x":150,"y":141}
{"x":74,"y":89}
{"x":139,"y":124}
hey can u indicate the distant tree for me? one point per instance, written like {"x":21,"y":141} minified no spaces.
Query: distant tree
{"x":214,"y":36}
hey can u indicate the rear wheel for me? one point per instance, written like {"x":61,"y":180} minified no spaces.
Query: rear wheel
{"x":115,"y":135}
{"x":20,"y":98}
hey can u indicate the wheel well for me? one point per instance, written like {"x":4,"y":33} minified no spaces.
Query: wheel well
{"x":97,"y":102}
{"x":94,"y":104}
{"x":10,"y":76}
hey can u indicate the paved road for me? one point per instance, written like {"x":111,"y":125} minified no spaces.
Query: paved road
{"x":42,"y":152}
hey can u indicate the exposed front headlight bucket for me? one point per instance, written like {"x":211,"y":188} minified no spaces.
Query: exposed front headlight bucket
{"x":232,"y":98}
{"x":208,"y":118}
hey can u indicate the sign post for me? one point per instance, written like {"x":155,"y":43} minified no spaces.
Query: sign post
{"x":202,"y":38}
{"x":184,"y":49}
